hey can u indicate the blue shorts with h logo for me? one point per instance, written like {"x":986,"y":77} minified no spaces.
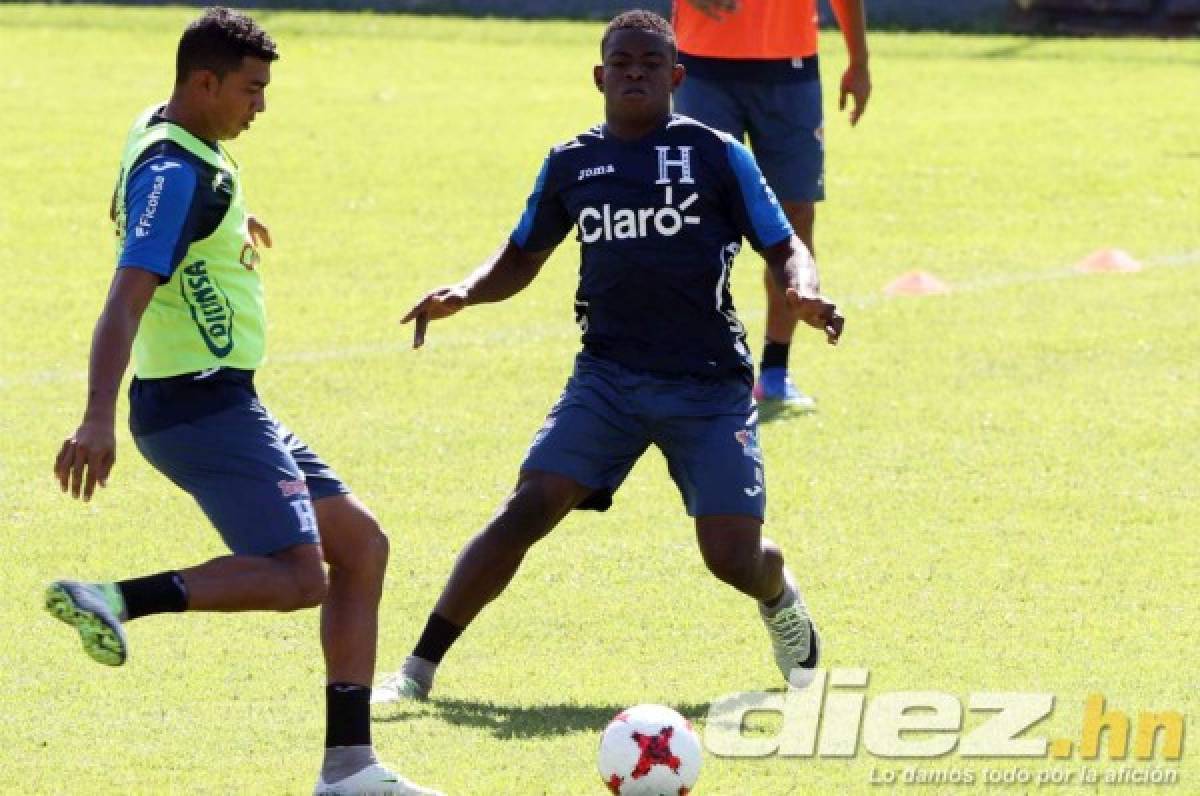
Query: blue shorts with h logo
{"x":254,"y":479}
{"x":609,"y":415}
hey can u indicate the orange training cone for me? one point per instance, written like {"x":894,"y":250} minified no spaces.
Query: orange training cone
{"x":1107,"y":261}
{"x":916,"y":283}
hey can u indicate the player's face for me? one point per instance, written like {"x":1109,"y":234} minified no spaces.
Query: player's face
{"x":240,"y":96}
{"x":638,"y":75}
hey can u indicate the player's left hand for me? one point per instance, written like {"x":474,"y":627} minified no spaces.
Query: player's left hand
{"x":818,"y":312}
{"x":259,"y":232}
{"x":856,"y":83}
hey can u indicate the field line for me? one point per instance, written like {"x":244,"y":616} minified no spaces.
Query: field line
{"x":402,"y":343}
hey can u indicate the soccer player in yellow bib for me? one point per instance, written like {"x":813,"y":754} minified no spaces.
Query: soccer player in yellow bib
{"x":186,"y":299}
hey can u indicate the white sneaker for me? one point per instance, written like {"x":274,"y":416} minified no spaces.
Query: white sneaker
{"x":374,"y":780}
{"x":398,"y":687}
{"x":795,"y":642}
{"x":412,"y":683}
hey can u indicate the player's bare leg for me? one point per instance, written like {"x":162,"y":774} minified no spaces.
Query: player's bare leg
{"x":483,"y":570}
{"x":736,"y":553}
{"x":774,"y":386}
{"x":357,"y":552}
{"x":290,"y":580}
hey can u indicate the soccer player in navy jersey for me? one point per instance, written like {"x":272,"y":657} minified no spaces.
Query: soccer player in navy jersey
{"x":661,"y":204}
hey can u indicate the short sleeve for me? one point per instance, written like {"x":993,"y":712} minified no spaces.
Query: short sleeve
{"x":545,"y":221}
{"x":757,"y":212}
{"x":158,"y":215}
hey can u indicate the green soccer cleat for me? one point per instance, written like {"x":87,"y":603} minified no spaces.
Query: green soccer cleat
{"x":374,"y":780}
{"x":90,"y":609}
{"x":795,"y":642}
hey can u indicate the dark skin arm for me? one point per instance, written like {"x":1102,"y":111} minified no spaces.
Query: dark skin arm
{"x":87,"y":456}
{"x":503,"y":275}
{"x":794,"y":270}
{"x":856,"y":81}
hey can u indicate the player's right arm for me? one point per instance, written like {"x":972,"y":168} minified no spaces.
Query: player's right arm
{"x":87,"y":456}
{"x":159,"y":226}
{"x":512,"y":267}
{"x":503,"y":275}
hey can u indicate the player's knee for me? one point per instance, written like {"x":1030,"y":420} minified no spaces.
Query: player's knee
{"x":739,"y":568}
{"x":310,"y":585}
{"x":538,"y":503}
{"x":356,"y":545}
{"x":374,"y":551}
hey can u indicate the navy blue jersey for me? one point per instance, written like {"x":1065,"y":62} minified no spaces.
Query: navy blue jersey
{"x":172,"y":199}
{"x":659,"y":221}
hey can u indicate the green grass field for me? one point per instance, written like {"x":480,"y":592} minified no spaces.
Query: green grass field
{"x":997,"y":495}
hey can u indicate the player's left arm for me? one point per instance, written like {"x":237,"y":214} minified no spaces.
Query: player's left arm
{"x":856,"y":81}
{"x":758,"y":216}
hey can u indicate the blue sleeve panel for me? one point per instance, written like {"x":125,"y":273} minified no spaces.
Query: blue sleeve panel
{"x":545,"y":221}
{"x":160,"y":215}
{"x":758,"y":212}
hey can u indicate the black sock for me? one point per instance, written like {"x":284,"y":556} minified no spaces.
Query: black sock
{"x":347,"y":715}
{"x":775,"y":355}
{"x":439,"y":635}
{"x":154,"y":594}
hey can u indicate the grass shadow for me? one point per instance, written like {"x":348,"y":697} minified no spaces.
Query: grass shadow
{"x":507,"y":722}
{"x":1013,"y":50}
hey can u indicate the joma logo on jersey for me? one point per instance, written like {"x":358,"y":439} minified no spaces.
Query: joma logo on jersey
{"x":210,"y":308}
{"x":597,"y":171}
{"x":627,"y":223}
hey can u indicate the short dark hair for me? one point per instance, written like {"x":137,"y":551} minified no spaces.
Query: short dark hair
{"x":640,"y":19}
{"x":218,"y":41}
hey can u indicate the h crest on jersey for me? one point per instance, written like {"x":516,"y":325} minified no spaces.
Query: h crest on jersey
{"x":683,"y":162}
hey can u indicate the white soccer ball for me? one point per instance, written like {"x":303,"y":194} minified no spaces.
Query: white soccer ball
{"x":650,"y":750}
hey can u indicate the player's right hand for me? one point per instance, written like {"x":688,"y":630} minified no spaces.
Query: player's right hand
{"x":86,"y":458}
{"x":435,"y":305}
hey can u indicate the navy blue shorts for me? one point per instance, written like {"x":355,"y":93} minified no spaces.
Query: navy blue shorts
{"x":784,"y":122}
{"x":254,"y":479}
{"x":609,"y":415}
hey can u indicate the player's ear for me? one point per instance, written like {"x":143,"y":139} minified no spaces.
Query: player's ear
{"x":598,"y":77}
{"x":678,"y":73}
{"x":207,"y":81}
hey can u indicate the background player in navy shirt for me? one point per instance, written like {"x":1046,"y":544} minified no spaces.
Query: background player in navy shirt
{"x":660,"y":204}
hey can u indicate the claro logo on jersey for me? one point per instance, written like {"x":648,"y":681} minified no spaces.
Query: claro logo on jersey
{"x":210,"y":308}
{"x":143,"y":225}
{"x":625,"y":223}
{"x":610,"y":223}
